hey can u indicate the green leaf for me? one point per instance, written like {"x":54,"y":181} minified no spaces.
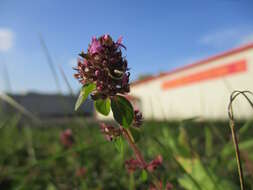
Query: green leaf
{"x":144,"y":176}
{"x":103,"y":106}
{"x":204,"y":175}
{"x":122,"y":110}
{"x":119,"y":144}
{"x":85,"y":91}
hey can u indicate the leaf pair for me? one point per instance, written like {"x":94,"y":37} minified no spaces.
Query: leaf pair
{"x":122,"y":109}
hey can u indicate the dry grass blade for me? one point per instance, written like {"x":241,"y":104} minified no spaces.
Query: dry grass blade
{"x":19,"y":107}
{"x":66,"y":81}
{"x":233,"y":96}
{"x":50,"y":63}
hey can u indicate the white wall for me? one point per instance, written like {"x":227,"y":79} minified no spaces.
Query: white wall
{"x":205,"y":99}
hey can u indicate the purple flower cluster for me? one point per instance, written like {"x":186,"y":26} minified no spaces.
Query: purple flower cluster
{"x":104,"y":65}
{"x":133,"y":164}
{"x":67,"y":138}
{"x":110,"y":132}
{"x":155,"y":163}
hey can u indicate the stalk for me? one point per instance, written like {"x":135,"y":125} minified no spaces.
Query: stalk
{"x":127,"y":134}
{"x":237,"y":153}
{"x":233,"y":96}
{"x":129,"y":138}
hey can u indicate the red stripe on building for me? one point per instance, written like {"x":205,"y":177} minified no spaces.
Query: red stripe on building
{"x":213,"y":73}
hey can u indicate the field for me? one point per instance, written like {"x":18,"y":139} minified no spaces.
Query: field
{"x":196,"y":155}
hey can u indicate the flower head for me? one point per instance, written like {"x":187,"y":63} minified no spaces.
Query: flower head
{"x":133,"y":164}
{"x":110,"y":132}
{"x":66,"y":138}
{"x":104,"y":65}
{"x":155,"y":163}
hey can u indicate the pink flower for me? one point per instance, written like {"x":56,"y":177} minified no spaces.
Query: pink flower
{"x":105,"y":66}
{"x":155,"y":163}
{"x":119,"y":42}
{"x":109,"y":131}
{"x":66,"y":138}
{"x":95,"y":46}
{"x":132,"y":165}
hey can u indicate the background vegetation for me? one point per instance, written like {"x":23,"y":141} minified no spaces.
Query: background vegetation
{"x":196,"y":155}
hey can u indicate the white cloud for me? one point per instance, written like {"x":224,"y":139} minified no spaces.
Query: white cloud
{"x":6,"y":39}
{"x":228,"y":37}
{"x":219,"y":38}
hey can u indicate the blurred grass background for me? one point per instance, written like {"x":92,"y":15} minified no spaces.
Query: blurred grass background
{"x":197,"y":155}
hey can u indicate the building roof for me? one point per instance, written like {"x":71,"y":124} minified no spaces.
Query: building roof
{"x":198,"y":63}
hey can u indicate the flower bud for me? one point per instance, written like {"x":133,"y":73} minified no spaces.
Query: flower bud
{"x":138,"y":119}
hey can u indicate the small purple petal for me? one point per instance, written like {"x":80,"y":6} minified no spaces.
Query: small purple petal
{"x":119,"y":41}
{"x":95,"y":46}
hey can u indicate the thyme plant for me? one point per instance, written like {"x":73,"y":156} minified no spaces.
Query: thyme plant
{"x":104,"y":74}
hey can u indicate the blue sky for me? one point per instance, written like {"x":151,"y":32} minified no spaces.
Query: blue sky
{"x":159,"y":35}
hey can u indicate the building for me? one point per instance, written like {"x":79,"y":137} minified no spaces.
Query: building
{"x":201,"y":89}
{"x":50,"y":105}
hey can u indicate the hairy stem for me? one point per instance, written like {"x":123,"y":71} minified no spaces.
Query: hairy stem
{"x":129,"y":138}
{"x":127,"y":134}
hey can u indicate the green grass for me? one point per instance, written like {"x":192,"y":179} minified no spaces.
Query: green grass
{"x":197,"y":155}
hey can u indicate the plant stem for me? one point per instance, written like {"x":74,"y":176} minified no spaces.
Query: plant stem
{"x":127,"y":134}
{"x":139,"y":157}
{"x":238,"y":160}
